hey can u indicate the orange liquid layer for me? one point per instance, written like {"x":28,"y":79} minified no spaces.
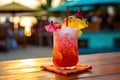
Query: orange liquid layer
{"x":65,"y":58}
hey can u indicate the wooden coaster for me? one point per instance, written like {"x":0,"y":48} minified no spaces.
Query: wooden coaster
{"x":79,"y":68}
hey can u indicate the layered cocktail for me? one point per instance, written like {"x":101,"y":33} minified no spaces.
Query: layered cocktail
{"x":65,"y":51}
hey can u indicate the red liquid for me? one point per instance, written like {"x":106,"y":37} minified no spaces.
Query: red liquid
{"x":65,"y":52}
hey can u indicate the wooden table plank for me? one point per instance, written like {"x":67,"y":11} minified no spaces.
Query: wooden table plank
{"x":103,"y":77}
{"x":102,"y":62}
{"x":105,"y":66}
{"x":24,"y":63}
{"x":100,"y":56}
{"x":39,"y":61}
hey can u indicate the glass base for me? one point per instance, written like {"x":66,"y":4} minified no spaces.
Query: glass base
{"x":62,"y":68}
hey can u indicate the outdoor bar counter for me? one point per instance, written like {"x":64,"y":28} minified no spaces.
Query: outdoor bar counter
{"x":105,"y":66}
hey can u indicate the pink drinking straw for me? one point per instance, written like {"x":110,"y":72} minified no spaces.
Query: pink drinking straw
{"x":67,"y":15}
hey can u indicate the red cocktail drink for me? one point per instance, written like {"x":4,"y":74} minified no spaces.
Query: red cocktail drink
{"x":65,"y":51}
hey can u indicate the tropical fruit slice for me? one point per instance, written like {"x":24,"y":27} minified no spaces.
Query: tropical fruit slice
{"x":75,"y":22}
{"x":57,"y":55}
{"x":79,"y":33}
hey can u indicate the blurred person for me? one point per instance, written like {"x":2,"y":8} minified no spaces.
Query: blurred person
{"x":107,"y":21}
{"x":92,"y":17}
{"x":89,"y":15}
{"x":20,"y":32}
{"x":12,"y":43}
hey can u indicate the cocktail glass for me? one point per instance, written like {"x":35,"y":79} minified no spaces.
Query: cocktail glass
{"x":65,"y":50}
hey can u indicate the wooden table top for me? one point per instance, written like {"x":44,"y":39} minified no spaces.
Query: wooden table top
{"x":106,"y":66}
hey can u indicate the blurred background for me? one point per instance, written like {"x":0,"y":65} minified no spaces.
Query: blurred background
{"x":22,"y":33}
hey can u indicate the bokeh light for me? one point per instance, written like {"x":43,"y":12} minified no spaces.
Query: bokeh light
{"x":55,"y":3}
{"x":27,"y":23}
{"x":2,"y":19}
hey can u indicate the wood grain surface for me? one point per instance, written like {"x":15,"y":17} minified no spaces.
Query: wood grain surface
{"x":106,"y":66}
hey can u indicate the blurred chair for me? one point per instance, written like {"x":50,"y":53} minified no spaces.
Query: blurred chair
{"x":3,"y":39}
{"x":21,"y":41}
